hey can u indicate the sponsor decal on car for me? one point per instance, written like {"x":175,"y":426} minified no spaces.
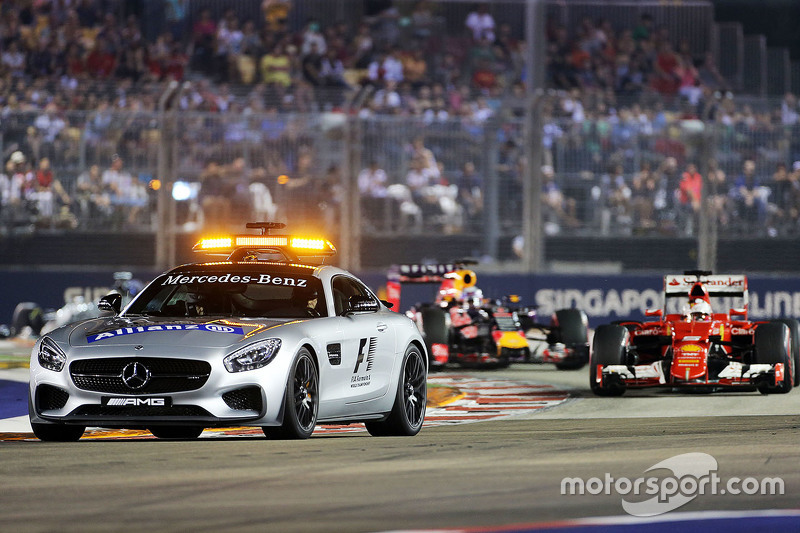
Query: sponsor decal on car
{"x":212,"y":328}
{"x":262,"y":279}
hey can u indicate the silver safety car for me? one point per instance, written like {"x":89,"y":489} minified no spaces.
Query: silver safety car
{"x":259,"y":337}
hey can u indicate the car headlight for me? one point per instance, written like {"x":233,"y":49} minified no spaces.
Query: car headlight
{"x":253,"y":356}
{"x":51,"y":356}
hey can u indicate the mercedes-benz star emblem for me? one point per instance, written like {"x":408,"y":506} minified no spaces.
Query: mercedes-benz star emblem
{"x":135,"y":375}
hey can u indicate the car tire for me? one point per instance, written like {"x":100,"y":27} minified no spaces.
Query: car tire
{"x":57,"y":432}
{"x":770,"y":348}
{"x":794,"y":331}
{"x":176,"y":432}
{"x":301,"y":400}
{"x":572,"y":332}
{"x":27,"y":314}
{"x":434,"y":328}
{"x":408,"y":411}
{"x":609,"y":346}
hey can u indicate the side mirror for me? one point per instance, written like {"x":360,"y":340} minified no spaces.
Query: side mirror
{"x":360,"y":304}
{"x":738,"y":312}
{"x":387,"y":304}
{"x":110,"y":303}
{"x":653,"y":312}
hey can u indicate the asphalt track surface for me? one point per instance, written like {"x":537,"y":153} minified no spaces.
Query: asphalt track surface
{"x":506,"y":471}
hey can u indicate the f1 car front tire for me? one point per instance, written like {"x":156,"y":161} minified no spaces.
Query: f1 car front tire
{"x":609,"y":345}
{"x":572,"y":332}
{"x":770,"y":348}
{"x":408,"y":412}
{"x":794,"y":332}
{"x":301,"y":402}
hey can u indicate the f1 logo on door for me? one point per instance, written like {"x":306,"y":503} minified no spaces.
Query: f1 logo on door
{"x":369,"y":355}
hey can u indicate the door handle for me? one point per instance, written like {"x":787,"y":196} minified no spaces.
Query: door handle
{"x":381,"y":326}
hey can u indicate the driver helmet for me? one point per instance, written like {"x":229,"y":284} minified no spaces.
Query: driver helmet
{"x":700,"y":310}
{"x":699,"y":303}
{"x":473,"y":296}
{"x":448,"y":293}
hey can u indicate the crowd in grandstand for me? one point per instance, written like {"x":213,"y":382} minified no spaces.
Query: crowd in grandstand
{"x":616,"y":118}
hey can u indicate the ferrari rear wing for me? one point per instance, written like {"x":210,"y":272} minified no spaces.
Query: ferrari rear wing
{"x":715,"y":284}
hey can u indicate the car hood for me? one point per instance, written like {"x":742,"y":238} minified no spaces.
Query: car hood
{"x":206,"y":333}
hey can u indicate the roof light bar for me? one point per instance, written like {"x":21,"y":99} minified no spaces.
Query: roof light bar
{"x":298,"y":245}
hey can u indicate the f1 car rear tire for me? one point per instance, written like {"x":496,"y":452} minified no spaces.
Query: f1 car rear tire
{"x":176,"y":432}
{"x":57,"y":432}
{"x":770,"y":348}
{"x":434,"y":328}
{"x":408,"y":412}
{"x":573,"y":333}
{"x":301,"y":401}
{"x":27,"y":315}
{"x":794,"y":332}
{"x":609,"y":345}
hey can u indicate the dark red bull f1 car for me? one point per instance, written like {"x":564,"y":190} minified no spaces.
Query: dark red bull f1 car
{"x":688,"y":345}
{"x":461,"y":326}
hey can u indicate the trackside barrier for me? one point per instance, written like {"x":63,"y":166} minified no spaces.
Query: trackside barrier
{"x":603,"y":297}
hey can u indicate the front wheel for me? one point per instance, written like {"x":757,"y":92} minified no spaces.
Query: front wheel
{"x":408,"y":411}
{"x":57,"y":432}
{"x":771,"y":347}
{"x":301,"y":402}
{"x":609,"y":348}
{"x":794,"y":333}
{"x":176,"y":432}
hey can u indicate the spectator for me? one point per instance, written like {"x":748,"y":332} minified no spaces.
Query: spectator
{"x":53,"y":201}
{"x":361,"y":47}
{"x":332,"y":76}
{"x":313,"y":37}
{"x":481,"y":23}
{"x":204,"y":34}
{"x":619,"y":202}
{"x":717,"y":198}
{"x":690,"y":196}
{"x":93,"y":199}
{"x":276,"y":67}
{"x":312,"y":66}
{"x":128,"y":196}
{"x":643,"y":193}
{"x":372,"y":181}
{"x":749,"y":197}
{"x":558,"y":210}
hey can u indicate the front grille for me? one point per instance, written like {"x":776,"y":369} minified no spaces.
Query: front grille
{"x":139,"y":411}
{"x":49,"y":398}
{"x":166,"y":375}
{"x":244,"y":399}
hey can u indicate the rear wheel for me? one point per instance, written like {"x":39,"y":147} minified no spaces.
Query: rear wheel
{"x":301,"y":401}
{"x":176,"y":432}
{"x":771,"y":348}
{"x":608,"y":349}
{"x":434,"y":328}
{"x":408,"y":412}
{"x":573,"y":334}
{"x":794,"y":331}
{"x":27,"y":315}
{"x":57,"y":432}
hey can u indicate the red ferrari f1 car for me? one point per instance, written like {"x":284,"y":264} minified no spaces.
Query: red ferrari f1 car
{"x":688,"y":345}
{"x":463,"y":327}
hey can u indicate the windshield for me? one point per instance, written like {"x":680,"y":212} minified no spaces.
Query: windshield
{"x":232,"y":294}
